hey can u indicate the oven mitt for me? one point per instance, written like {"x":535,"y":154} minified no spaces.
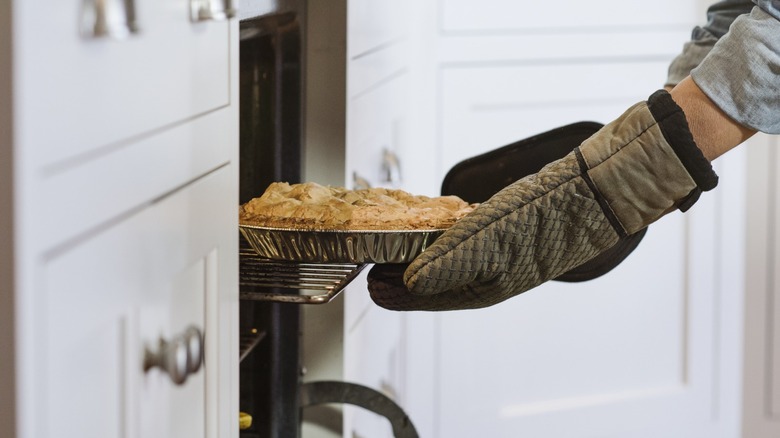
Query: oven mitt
{"x":617,"y":182}
{"x":500,"y":167}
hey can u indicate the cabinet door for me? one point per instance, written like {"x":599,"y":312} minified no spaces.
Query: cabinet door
{"x":592,"y":16}
{"x":373,"y":356}
{"x":637,"y":353}
{"x":79,"y":95}
{"x":107,"y":300}
{"x":375,"y":24}
{"x":375,"y":126}
{"x":488,"y":106}
{"x":761,"y":399}
{"x":630,"y":354}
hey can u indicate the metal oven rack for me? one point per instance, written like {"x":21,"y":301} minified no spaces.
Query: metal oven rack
{"x":291,"y":282}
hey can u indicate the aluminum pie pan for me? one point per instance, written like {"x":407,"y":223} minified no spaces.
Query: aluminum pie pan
{"x":338,"y":246}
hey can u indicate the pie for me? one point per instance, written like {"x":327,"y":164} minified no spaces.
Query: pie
{"x":311,"y":206}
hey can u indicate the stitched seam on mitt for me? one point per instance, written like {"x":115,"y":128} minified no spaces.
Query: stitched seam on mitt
{"x":627,"y":144}
{"x":491,"y":223}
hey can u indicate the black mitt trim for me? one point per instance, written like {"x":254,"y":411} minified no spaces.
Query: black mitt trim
{"x":674,"y":126}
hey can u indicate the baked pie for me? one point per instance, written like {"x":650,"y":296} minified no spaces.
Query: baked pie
{"x":311,"y":206}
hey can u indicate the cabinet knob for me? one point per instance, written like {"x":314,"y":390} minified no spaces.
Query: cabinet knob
{"x":108,"y":19}
{"x":179,"y":357}
{"x":206,"y":10}
{"x":359,"y":183}
{"x":194,"y":339}
{"x":391,"y":168}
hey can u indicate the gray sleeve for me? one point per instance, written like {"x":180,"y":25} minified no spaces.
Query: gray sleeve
{"x":719,"y":18}
{"x":771,"y":7}
{"x":741,"y":74}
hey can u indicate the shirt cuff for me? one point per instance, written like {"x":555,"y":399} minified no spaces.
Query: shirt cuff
{"x":692,"y":55}
{"x":741,"y":74}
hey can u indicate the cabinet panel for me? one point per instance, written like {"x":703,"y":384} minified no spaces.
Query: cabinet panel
{"x":374,"y":358}
{"x":78,"y":95}
{"x":602,"y":358}
{"x":378,"y":67}
{"x":373,"y":24}
{"x":597,"y":15}
{"x":761,"y":371}
{"x":773,"y":291}
{"x":166,"y":409}
{"x":102,"y":189}
{"x":113,"y":296}
{"x":488,"y":106}
{"x":376,"y":123}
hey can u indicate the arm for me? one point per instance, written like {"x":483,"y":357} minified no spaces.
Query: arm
{"x":741,"y":74}
{"x":651,"y":160}
{"x":714,"y":132}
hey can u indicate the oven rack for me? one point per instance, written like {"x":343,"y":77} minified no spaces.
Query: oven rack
{"x":248,"y":341}
{"x":262,"y":279}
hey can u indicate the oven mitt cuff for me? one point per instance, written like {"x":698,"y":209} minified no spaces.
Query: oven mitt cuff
{"x":621,"y":179}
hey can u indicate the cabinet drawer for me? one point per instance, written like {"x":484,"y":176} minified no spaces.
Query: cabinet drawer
{"x":79,"y":94}
{"x":103,"y":189}
{"x":374,"y":24}
{"x":376,"y":123}
{"x":109,"y":299}
{"x":602,"y":15}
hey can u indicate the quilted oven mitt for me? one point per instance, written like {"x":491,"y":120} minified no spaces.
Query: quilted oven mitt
{"x":624,"y":177}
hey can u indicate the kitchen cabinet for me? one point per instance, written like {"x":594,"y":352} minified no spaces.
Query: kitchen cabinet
{"x":377,"y":152}
{"x":89,"y":88}
{"x":674,"y":342}
{"x":138,"y":292}
{"x":574,"y":17}
{"x":357,"y":126}
{"x":758,"y":244}
{"x":120,"y":214}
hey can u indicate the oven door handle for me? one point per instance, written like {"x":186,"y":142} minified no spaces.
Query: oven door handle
{"x":316,"y":393}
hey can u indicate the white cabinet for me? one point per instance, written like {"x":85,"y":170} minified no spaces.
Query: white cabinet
{"x":123,"y":211}
{"x":88,"y":92}
{"x":760,"y":397}
{"x":109,"y":299}
{"x":675,"y":342}
{"x":484,"y":107}
{"x":652,"y":349}
{"x":577,"y":17}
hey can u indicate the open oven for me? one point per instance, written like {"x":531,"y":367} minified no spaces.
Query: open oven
{"x":272,"y":74}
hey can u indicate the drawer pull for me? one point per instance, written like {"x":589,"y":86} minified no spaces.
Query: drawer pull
{"x":391,"y":168}
{"x":180,"y":357}
{"x":211,"y":10}
{"x":194,"y":340}
{"x":108,"y":19}
{"x":359,"y":183}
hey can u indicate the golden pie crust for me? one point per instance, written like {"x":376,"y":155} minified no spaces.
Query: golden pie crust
{"x":310,"y":206}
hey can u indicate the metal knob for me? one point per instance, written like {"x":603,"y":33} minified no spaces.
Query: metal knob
{"x":194,"y":340}
{"x":205,"y":10}
{"x":391,"y":168}
{"x":180,"y":357}
{"x":359,"y":183}
{"x":108,"y":19}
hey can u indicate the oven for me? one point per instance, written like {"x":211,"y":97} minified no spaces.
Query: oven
{"x":270,"y":127}
{"x":272,"y":66}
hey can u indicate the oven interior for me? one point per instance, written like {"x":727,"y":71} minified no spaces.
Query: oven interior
{"x":271,"y":126}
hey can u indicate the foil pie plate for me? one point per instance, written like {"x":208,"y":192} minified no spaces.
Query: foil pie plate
{"x":338,"y":246}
